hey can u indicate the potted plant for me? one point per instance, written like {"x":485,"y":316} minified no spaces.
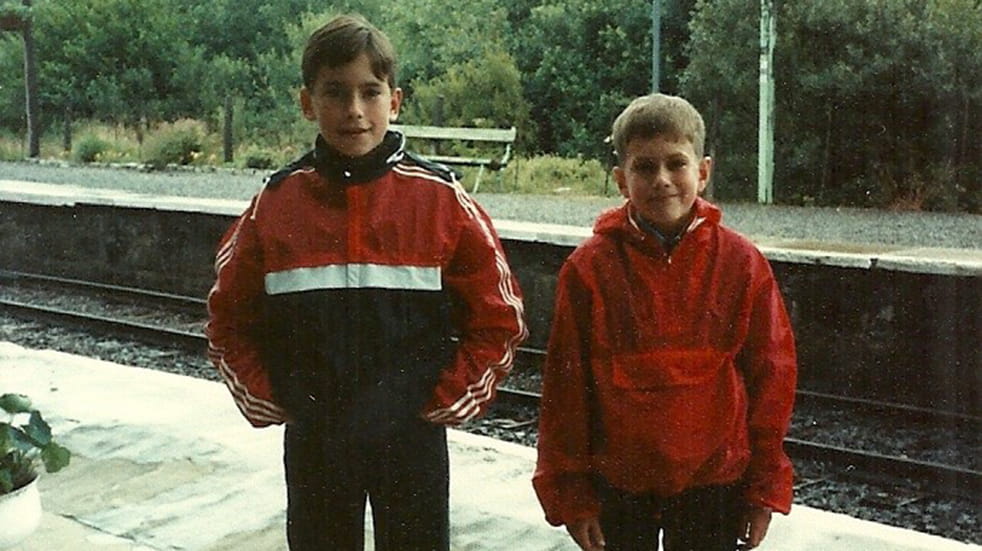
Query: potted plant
{"x":24,"y":449}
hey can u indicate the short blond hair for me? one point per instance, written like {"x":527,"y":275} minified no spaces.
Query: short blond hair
{"x":658,"y":114}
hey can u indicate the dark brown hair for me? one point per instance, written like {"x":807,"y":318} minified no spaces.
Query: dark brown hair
{"x":343,"y":39}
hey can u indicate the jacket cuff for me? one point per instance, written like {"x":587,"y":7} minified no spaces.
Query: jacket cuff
{"x":567,"y":498}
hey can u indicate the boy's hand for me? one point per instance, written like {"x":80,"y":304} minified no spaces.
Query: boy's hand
{"x":753,"y":526}
{"x":587,"y":534}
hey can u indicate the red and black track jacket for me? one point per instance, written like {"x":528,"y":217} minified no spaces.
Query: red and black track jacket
{"x":665,"y":372}
{"x":365,"y":293}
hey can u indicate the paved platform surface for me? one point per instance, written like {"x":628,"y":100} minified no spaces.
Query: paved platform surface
{"x":163,"y":462}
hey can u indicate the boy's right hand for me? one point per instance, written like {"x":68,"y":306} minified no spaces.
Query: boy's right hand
{"x":587,"y":534}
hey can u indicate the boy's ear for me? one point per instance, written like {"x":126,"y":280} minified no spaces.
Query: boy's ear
{"x":621,"y":180}
{"x":705,"y":172}
{"x":395,"y":103}
{"x":306,"y":105}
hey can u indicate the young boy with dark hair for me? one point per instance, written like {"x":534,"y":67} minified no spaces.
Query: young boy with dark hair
{"x":670,"y":373}
{"x":364,"y":300}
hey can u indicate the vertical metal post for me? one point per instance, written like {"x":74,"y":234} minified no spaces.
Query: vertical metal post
{"x":31,"y":87}
{"x":655,"y":45}
{"x":228,"y":144}
{"x":765,"y":129}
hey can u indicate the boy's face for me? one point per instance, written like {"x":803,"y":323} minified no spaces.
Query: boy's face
{"x":662,"y":177}
{"x":352,"y":106}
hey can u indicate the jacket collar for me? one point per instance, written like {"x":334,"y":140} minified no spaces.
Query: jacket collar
{"x":619,"y":222}
{"x":337,"y":168}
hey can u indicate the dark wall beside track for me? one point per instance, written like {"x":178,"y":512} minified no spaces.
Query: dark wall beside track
{"x":890,"y":335}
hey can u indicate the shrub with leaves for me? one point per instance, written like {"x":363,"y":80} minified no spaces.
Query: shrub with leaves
{"x":89,"y":149}
{"x":180,"y":142}
{"x":26,"y":446}
{"x":550,"y":174}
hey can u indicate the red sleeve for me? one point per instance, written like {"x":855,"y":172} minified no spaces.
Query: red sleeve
{"x":492,"y":323}
{"x":562,"y":478}
{"x":234,"y":328}
{"x":769,"y":363}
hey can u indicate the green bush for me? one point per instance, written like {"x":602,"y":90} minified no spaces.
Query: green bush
{"x":257,"y":157}
{"x":550,"y":174}
{"x":89,"y":149}
{"x":180,"y":142}
{"x":11,"y":148}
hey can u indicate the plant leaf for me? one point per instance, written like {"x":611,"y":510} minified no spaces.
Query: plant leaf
{"x":15,"y":403}
{"x":38,"y":430}
{"x":17,"y":439}
{"x":55,"y":457}
{"x":6,"y":482}
{"x":6,"y":436}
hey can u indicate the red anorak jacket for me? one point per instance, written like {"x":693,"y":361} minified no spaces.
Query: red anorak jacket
{"x":665,"y":372}
{"x":364,"y":294}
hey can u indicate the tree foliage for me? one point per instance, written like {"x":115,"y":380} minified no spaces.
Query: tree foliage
{"x":484,"y":92}
{"x":878,"y":102}
{"x":121,"y":60}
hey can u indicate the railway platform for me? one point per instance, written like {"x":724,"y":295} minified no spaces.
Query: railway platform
{"x":164,"y":462}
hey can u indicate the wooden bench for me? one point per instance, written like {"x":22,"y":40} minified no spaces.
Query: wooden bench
{"x":505,"y":137}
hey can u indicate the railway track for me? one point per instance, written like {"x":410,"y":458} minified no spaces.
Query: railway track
{"x":519,"y":405}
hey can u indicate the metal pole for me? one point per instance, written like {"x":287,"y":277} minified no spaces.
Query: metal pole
{"x":655,"y":45}
{"x":765,"y":129}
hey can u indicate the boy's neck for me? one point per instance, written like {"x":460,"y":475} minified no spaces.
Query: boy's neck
{"x":668,"y":238}
{"x":336,"y":167}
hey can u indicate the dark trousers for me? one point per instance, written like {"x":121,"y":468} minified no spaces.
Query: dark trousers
{"x":701,"y":519}
{"x":405,"y":478}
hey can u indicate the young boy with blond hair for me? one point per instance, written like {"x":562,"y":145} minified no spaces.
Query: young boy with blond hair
{"x":364,"y":300}
{"x":670,"y":374}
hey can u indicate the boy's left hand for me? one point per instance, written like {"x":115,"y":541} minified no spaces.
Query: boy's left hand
{"x":753,"y":526}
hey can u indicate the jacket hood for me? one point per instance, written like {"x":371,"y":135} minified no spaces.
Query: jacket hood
{"x":617,"y":222}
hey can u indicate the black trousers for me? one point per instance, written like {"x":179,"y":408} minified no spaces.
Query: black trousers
{"x":701,"y":519}
{"x":404,"y":476}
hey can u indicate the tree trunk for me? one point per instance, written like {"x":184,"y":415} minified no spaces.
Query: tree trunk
{"x":227,"y":144}
{"x":31,"y":85}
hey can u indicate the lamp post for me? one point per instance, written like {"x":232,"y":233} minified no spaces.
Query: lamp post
{"x":655,"y":45}
{"x":765,"y":127}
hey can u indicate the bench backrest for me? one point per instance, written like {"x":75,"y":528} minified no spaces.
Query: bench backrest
{"x":457,"y":133}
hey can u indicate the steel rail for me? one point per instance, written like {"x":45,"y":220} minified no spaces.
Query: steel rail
{"x":106,"y":288}
{"x":187,"y":340}
{"x":866,"y":465}
{"x":531,"y":356}
{"x":946,"y":479}
{"x":951,"y":480}
{"x":527,"y":355}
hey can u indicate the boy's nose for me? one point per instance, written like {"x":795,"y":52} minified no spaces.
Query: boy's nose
{"x":662,"y":178}
{"x":355,"y":107}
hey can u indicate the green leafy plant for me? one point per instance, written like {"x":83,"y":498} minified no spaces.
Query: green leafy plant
{"x":178,"y":143}
{"x":24,"y":448}
{"x":90,"y":149}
